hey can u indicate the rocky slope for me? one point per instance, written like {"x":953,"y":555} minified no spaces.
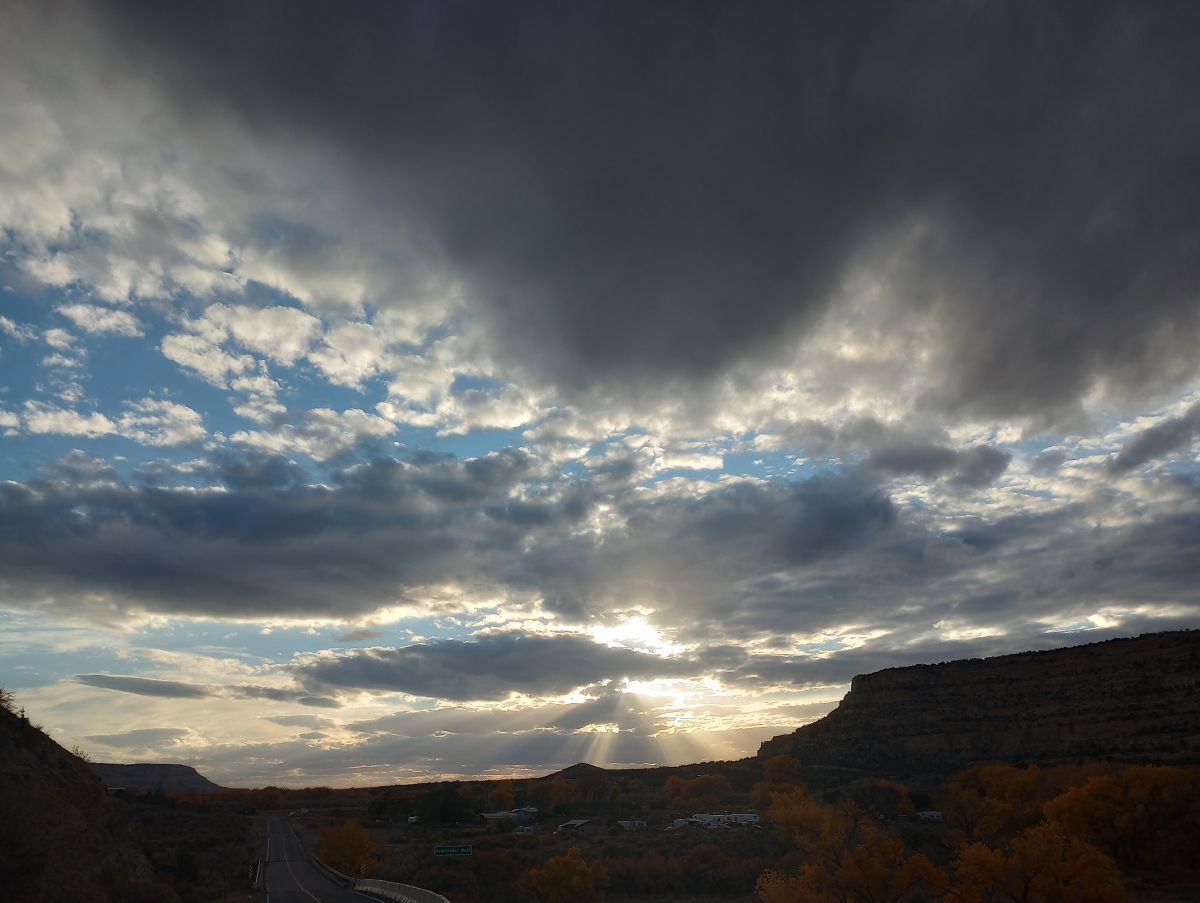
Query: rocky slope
{"x":1136,"y":699}
{"x":165,"y":778}
{"x":62,"y":837}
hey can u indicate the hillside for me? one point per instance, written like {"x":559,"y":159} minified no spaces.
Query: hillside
{"x":59,"y":820}
{"x":1134,"y":699}
{"x":164,"y":778}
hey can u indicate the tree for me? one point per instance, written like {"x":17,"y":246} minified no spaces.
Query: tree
{"x":880,"y":796}
{"x":569,"y":879}
{"x":349,"y":848}
{"x":1146,"y":817}
{"x":846,"y":857}
{"x":782,"y":769}
{"x":708,"y":791}
{"x":703,"y":792}
{"x":1044,"y":865}
{"x":676,"y":789}
{"x":501,"y":796}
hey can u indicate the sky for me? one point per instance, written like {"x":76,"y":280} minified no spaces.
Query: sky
{"x":391,"y":392}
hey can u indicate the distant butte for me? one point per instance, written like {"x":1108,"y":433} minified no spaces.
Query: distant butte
{"x":1130,"y":699}
{"x":164,"y":778}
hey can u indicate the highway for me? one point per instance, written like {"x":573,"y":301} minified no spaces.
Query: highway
{"x":290,"y":878}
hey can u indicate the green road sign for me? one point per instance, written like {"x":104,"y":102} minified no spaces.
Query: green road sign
{"x":460,"y":849}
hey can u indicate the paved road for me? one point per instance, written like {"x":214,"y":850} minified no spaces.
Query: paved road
{"x":291,"y":878}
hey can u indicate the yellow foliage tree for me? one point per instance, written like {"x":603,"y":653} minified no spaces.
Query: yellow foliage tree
{"x":1044,"y":865}
{"x":501,"y":796}
{"x":349,"y":848}
{"x":569,"y":879}
{"x":782,"y":769}
{"x":1146,"y":817}
{"x":846,"y":858}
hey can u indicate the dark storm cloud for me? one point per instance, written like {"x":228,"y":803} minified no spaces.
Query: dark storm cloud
{"x":744,"y":561}
{"x":490,"y":667}
{"x":973,"y":467}
{"x":632,"y":190}
{"x":376,"y":531}
{"x":1171,"y":434}
{"x":980,"y":466}
{"x":923,"y":460}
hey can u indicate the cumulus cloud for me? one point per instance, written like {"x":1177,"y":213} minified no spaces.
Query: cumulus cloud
{"x":283,"y":334}
{"x":204,"y":356}
{"x":92,"y":318}
{"x":20,"y":331}
{"x":42,"y":417}
{"x":350,"y":353}
{"x":324,"y":434}
{"x":155,"y":421}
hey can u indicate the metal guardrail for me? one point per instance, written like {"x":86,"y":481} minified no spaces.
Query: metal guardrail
{"x":344,"y":880}
{"x":405,"y":893}
{"x":389,"y":890}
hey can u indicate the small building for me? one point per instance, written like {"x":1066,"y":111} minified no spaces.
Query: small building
{"x":584,"y":826}
{"x":719,"y":820}
{"x":744,"y":818}
{"x":633,"y":824}
{"x":931,"y":815}
{"x":526,"y":815}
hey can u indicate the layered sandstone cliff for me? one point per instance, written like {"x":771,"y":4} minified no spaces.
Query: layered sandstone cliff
{"x":1136,"y":699}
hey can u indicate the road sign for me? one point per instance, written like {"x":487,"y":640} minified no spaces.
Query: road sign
{"x":459,"y":849}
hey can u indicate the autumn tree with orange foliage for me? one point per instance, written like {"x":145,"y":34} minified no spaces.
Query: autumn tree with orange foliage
{"x":846,"y":857}
{"x":994,"y":802}
{"x":569,"y":879}
{"x":782,"y":769}
{"x":1043,"y":865}
{"x":1147,"y":817}
{"x":349,"y":848}
{"x":779,"y":772}
{"x":707,"y":791}
{"x":501,"y":796}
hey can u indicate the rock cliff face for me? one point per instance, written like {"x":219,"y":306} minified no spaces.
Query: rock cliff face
{"x":167,"y":778}
{"x":1136,"y":699}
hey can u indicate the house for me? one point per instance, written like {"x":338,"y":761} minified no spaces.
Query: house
{"x":579,"y":826}
{"x":724,"y":819}
{"x":635,"y":824}
{"x":524,"y":816}
{"x":931,"y":815}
